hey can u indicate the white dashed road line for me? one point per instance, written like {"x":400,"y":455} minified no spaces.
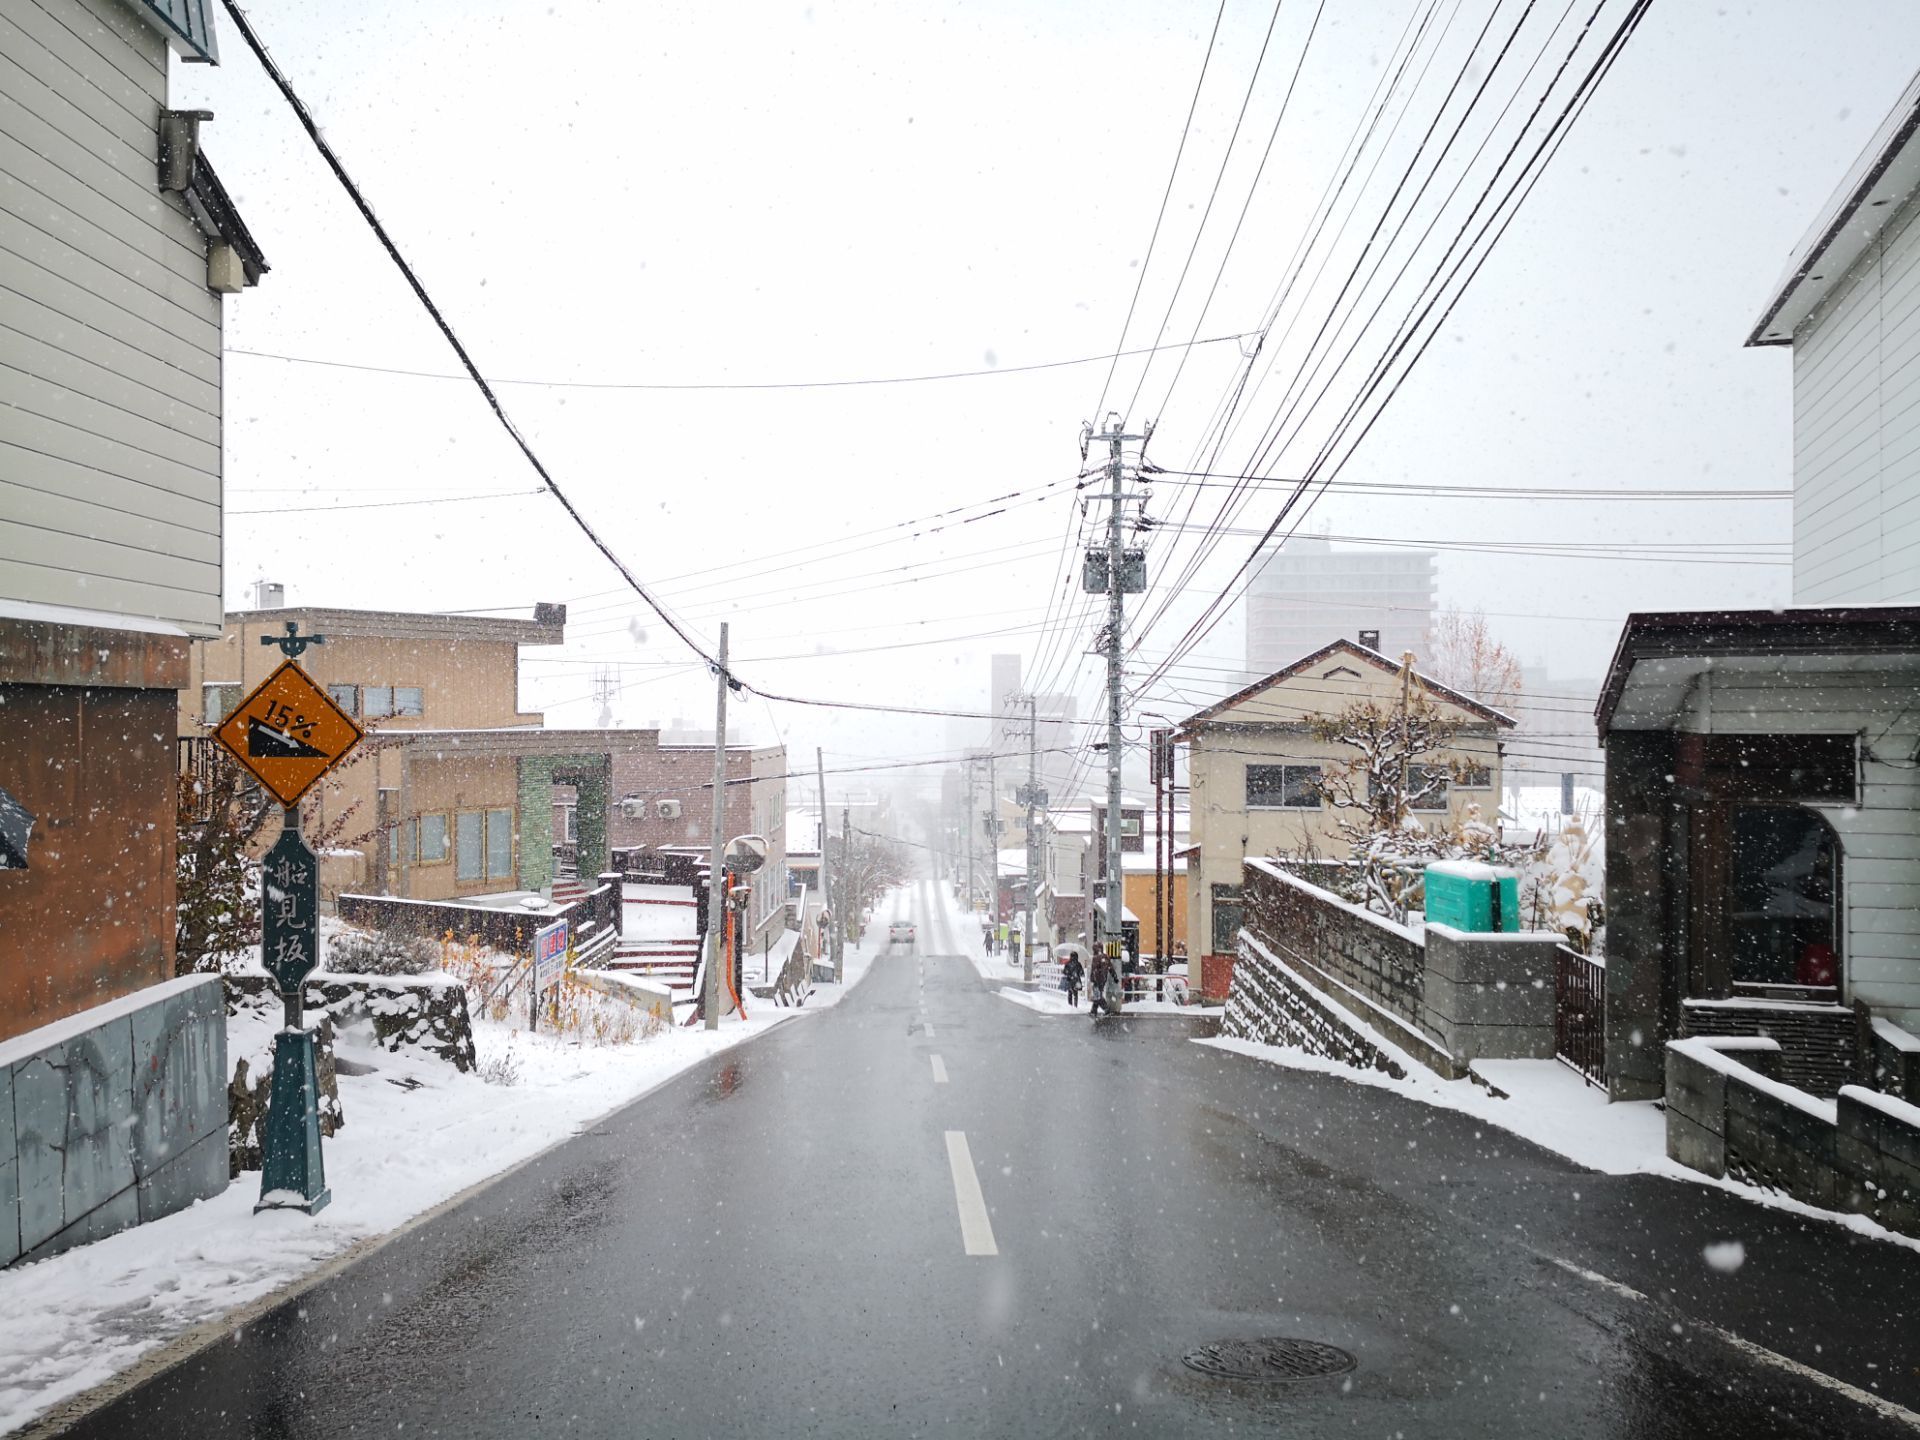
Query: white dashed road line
{"x":976,"y":1230}
{"x":1881,"y":1406}
{"x":939,"y":1070}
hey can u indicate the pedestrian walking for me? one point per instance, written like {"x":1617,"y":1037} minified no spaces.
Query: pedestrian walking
{"x":1072,"y":975}
{"x":1100,"y":986}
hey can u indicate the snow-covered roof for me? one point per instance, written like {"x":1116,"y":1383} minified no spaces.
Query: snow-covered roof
{"x":1872,"y":194}
{"x":1184,"y":731}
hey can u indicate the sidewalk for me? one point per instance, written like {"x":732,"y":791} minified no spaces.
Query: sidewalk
{"x":417,"y":1136}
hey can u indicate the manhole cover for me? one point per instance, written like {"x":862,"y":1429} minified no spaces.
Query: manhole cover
{"x":1268,"y":1360}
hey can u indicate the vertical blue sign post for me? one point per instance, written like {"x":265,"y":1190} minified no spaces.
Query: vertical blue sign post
{"x":287,"y":734}
{"x":293,"y":1174}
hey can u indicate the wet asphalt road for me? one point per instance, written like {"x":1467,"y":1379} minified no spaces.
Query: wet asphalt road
{"x":773,"y":1245}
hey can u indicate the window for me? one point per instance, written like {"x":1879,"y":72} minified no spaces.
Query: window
{"x":469,"y":845}
{"x":1474,"y":777}
{"x":1419,"y":779}
{"x":499,"y":844}
{"x":384,"y":700}
{"x":1283,"y":787}
{"x":1427,"y":786}
{"x":217,"y":702}
{"x":347,"y":697}
{"x":1227,"y":916}
{"x":433,"y":839}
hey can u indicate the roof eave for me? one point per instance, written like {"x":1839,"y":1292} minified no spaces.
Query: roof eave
{"x":1890,"y":163}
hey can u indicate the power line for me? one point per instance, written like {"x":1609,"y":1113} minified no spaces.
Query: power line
{"x":387,"y":504}
{"x":420,"y":292}
{"x":1165,"y":196}
{"x":733,"y":385}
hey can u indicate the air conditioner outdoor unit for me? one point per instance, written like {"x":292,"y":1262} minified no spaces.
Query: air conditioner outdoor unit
{"x":633,"y":807}
{"x":669,"y":809}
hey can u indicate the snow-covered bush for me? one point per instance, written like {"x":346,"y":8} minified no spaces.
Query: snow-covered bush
{"x":373,"y":952}
{"x":1563,"y":883}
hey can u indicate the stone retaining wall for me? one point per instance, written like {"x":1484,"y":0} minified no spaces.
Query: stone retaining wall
{"x":1448,"y":997}
{"x":112,"y":1117}
{"x":1727,"y":1114}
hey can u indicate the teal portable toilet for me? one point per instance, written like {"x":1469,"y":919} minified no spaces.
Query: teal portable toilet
{"x":1472,"y":895}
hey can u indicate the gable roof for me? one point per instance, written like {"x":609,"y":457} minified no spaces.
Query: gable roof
{"x":1872,"y":194}
{"x":1359,"y":652}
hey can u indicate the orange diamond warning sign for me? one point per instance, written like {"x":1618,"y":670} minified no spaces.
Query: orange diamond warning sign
{"x":288,"y":733}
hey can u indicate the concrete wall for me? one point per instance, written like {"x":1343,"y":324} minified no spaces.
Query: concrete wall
{"x":1856,"y":430}
{"x":112,"y":1117}
{"x":1445,"y":996}
{"x":1727,"y":1115}
{"x":110,"y":413}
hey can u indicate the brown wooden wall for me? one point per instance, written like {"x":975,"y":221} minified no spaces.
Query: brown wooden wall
{"x":91,"y":919}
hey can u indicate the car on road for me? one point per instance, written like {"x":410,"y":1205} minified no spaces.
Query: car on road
{"x":900,"y":932}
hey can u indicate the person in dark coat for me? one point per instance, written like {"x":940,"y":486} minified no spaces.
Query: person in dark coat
{"x":1072,"y":975}
{"x":1102,"y":976}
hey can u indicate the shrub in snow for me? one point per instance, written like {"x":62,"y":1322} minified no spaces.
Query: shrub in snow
{"x":370,"y":952}
{"x":1562,"y":883}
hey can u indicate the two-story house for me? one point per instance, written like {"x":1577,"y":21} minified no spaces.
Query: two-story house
{"x":1763,"y":766}
{"x":457,"y":793}
{"x":118,"y":246}
{"x":1256,"y":768}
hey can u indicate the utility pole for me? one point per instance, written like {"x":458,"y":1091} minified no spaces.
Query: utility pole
{"x":834,"y":922}
{"x":1117,"y":583}
{"x":967,"y":837}
{"x":716,"y":866}
{"x":1406,"y":702}
{"x":1032,"y":798}
{"x":853,"y":901}
{"x":993,"y":842}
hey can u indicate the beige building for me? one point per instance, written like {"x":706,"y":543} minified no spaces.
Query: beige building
{"x":456,"y":791}
{"x":1255,"y":770}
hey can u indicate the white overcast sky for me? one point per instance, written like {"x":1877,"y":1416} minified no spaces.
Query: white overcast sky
{"x":607,"y":192}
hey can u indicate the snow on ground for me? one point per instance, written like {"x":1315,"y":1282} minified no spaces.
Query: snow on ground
{"x":1550,"y":1105}
{"x":73,"y":1321}
{"x":1054,"y":1002}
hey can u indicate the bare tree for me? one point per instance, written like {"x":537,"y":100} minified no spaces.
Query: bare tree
{"x":1466,"y":657}
{"x":1398,"y":767}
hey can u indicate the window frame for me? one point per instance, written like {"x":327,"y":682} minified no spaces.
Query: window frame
{"x":503,"y":816}
{"x":420,"y":826}
{"x":1286,"y":771}
{"x":210,"y":689}
{"x":462,"y":820}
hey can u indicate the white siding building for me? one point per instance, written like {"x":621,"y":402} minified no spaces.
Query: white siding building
{"x":1849,"y":306}
{"x":117,"y":245}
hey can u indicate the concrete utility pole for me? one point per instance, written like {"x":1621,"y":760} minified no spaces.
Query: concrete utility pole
{"x":967,"y":836}
{"x":846,"y":864}
{"x":1111,"y":930}
{"x":993,"y":843}
{"x":835,"y":947}
{"x":1033,"y":805}
{"x":716,"y":872}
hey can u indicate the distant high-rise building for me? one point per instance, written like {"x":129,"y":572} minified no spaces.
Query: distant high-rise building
{"x":1307,"y":593}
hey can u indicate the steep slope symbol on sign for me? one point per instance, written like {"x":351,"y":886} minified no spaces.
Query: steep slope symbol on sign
{"x":265,"y":742}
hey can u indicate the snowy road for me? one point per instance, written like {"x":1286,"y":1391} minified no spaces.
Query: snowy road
{"x":930,"y":1210}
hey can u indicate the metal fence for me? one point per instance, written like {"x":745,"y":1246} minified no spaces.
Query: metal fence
{"x":1580,"y":1013}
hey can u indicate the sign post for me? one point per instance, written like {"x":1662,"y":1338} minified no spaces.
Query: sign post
{"x":549,"y":961}
{"x":287,"y":734}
